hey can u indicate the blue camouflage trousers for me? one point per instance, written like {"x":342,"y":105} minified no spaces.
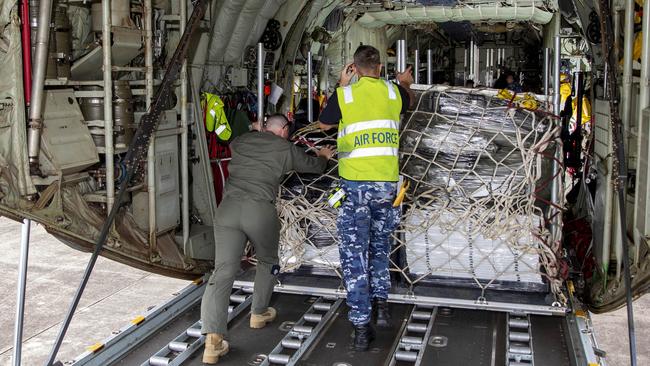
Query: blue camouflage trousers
{"x":365,"y":223}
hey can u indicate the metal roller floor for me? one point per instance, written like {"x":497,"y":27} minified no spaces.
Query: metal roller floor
{"x":245,"y":342}
{"x":466,"y":337}
{"x":456,"y":337}
{"x":141,"y":353}
{"x":333,"y":346}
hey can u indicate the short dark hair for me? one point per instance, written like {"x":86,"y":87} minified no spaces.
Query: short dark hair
{"x":366,"y":57}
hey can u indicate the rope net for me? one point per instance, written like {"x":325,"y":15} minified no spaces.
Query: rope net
{"x":478,"y":206}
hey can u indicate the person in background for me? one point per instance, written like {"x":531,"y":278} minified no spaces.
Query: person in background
{"x":247,"y":213}
{"x":501,"y":82}
{"x":512,"y":84}
{"x":367,"y":114}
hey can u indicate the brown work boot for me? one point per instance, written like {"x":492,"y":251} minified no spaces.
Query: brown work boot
{"x":215,"y":346}
{"x":260,"y":320}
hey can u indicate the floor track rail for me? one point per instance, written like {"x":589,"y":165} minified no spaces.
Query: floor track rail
{"x":414,"y":337}
{"x":519,"y":341}
{"x":138,"y":330}
{"x":188,"y":342}
{"x":303,"y":333}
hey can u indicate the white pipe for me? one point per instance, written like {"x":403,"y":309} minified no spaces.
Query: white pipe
{"x":38,"y":83}
{"x":547,"y":75}
{"x":606,"y":81}
{"x":617,"y":32}
{"x":491,"y":69}
{"x":471,"y":62}
{"x":556,"y":76}
{"x":404,"y":54}
{"x":260,"y":84}
{"x":20,"y":292}
{"x":416,"y":67}
{"x":185,"y":183}
{"x":626,"y":116}
{"x":477,"y":64}
{"x":628,"y":45}
{"x":400,"y":56}
{"x":492,"y":66}
{"x":148,"y":54}
{"x":429,"y":66}
{"x":497,"y":63}
{"x":644,"y":94}
{"x":327,"y":77}
{"x":464,"y":66}
{"x":151,"y":153}
{"x":488,"y":66}
{"x":644,"y":87}
{"x":108,"y":105}
{"x":310,"y":88}
{"x":502,"y":58}
{"x":557,"y":174}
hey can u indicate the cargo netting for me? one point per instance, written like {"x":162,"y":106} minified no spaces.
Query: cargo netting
{"x":478,"y":208}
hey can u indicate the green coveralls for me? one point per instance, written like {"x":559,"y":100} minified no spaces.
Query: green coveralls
{"x":247,"y":213}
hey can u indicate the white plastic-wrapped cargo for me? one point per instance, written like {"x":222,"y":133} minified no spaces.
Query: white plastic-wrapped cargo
{"x":466,"y":253}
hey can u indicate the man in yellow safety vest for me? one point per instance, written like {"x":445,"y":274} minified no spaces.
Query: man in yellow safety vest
{"x":367,"y":114}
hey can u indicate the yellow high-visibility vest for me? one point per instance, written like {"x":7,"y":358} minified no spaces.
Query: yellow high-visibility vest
{"x":368,"y":136}
{"x":215,"y":116}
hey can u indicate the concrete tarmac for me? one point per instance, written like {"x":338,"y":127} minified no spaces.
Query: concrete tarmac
{"x":117,"y":293}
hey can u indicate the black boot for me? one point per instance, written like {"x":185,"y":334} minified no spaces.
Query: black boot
{"x":363,"y":335}
{"x":382,"y":315}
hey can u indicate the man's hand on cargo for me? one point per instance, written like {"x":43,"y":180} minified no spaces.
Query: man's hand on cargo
{"x":326,"y":127}
{"x":326,"y":152}
{"x":347,"y":74}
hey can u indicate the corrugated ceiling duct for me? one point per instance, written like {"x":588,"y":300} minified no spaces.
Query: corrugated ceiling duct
{"x":239,"y":24}
{"x":253,"y":20}
{"x":223,"y":28}
{"x":494,"y":12}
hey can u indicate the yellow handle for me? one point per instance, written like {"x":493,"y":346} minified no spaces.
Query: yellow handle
{"x":401,"y":194}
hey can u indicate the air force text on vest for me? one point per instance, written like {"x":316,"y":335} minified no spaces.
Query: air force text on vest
{"x":375,"y":138}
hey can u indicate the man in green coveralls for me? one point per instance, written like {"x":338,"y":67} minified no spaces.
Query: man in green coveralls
{"x":247,"y":213}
